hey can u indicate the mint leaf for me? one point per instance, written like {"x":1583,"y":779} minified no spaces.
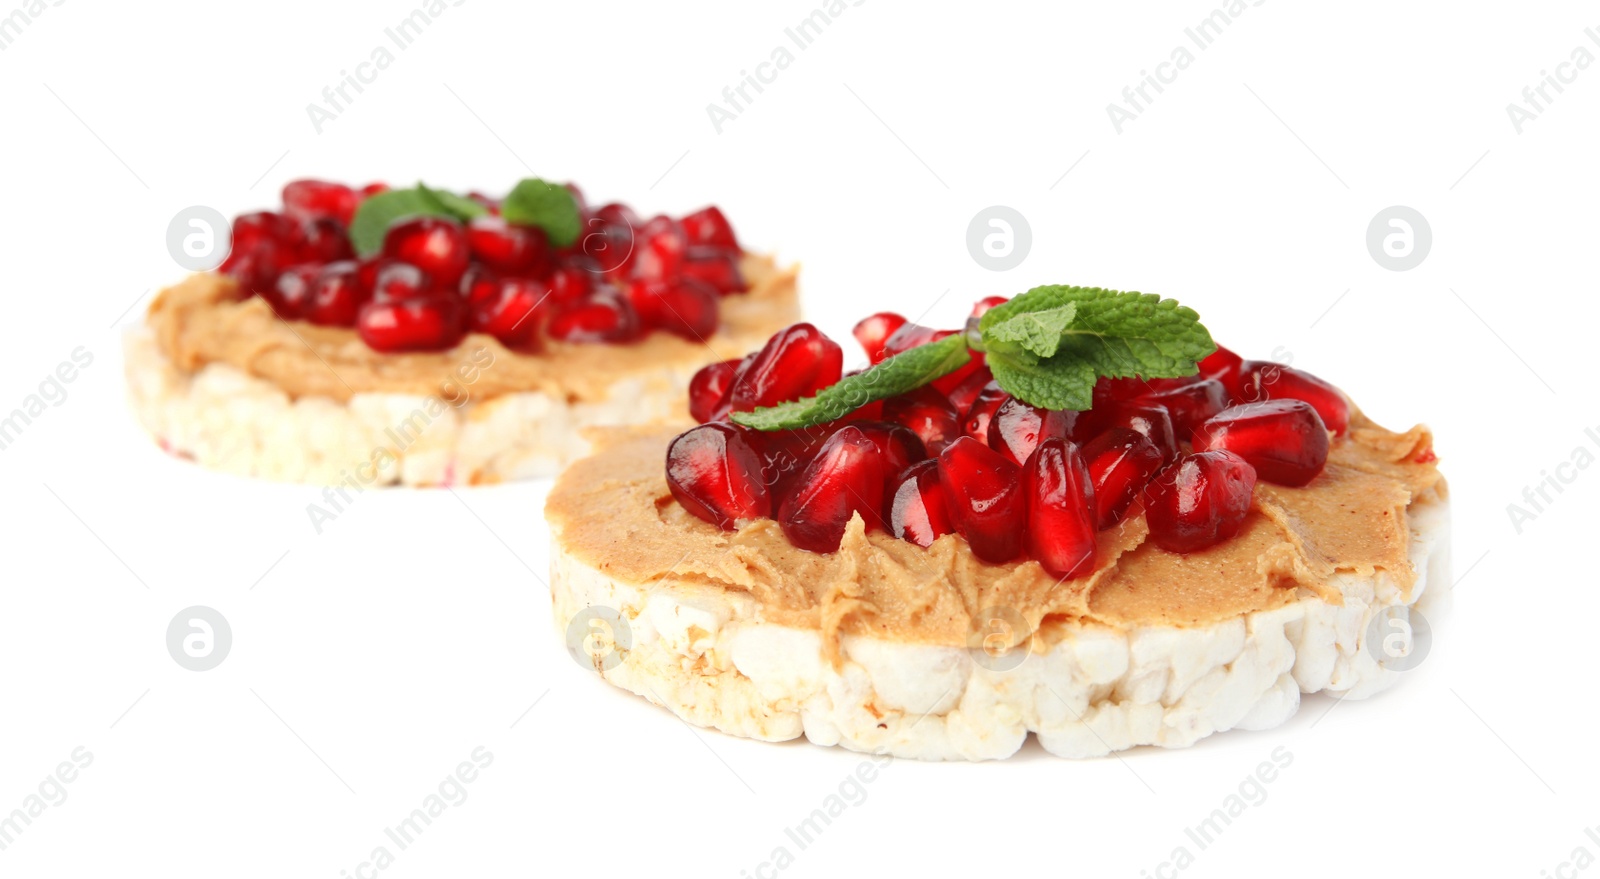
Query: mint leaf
{"x":1038,"y":332}
{"x":550,"y":206}
{"x":377,"y":213}
{"x":1111,"y":334}
{"x":903,"y":372}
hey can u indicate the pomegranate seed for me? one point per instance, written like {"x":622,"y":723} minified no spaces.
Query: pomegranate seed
{"x":873,"y":331}
{"x":919,"y":508}
{"x":514,"y":250}
{"x":511,"y":314}
{"x":963,"y":395}
{"x":796,"y":362}
{"x":372,"y":189}
{"x":1199,"y":500}
{"x":250,"y":230}
{"x":1260,"y":381}
{"x":1223,"y":365}
{"x":899,"y":446}
{"x":604,"y":316}
{"x":423,"y":323}
{"x":322,"y":240}
{"x":684,"y":307}
{"x":716,"y":475}
{"x":1284,"y":440}
{"x":986,"y":303}
{"x":568,"y":283}
{"x":317,"y":199}
{"x":926,"y":413}
{"x":1120,"y":462}
{"x":336,"y":296}
{"x":976,"y":422}
{"x":1189,"y":404}
{"x":785,"y":454}
{"x":256,"y":270}
{"x":292,"y":291}
{"x":479,"y":284}
{"x":1151,"y":420}
{"x":987,"y":502}
{"x":617,"y":215}
{"x":708,"y":390}
{"x":845,"y":478}
{"x":436,"y":245}
{"x":708,"y":226}
{"x":908,"y":336}
{"x":660,"y":252}
{"x":1017,"y":428}
{"x":718,"y":268}
{"x":1061,"y":527}
{"x":391,"y":280}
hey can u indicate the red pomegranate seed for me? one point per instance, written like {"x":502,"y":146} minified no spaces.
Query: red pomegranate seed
{"x":479,"y":284}
{"x":709,"y":389}
{"x":963,"y":395}
{"x":918,"y":507}
{"x":320,"y":199}
{"x":336,"y":296}
{"x":1199,"y":500}
{"x":1285,"y":440}
{"x":1261,"y":381}
{"x":988,"y":401}
{"x":899,"y":446}
{"x":785,"y":454}
{"x":926,"y":413}
{"x":987,"y":502}
{"x":257,"y":270}
{"x":874,"y":331}
{"x":659,"y":250}
{"x":322,"y":240}
{"x":1151,"y":420}
{"x":436,"y":245}
{"x":292,"y":292}
{"x":1223,"y":365}
{"x":684,"y":307}
{"x":1190,"y":403}
{"x":514,"y":250}
{"x":568,"y":283}
{"x":372,"y":189}
{"x":1061,"y":520}
{"x":1017,"y":428}
{"x":796,"y":362}
{"x":252,"y":229}
{"x":986,"y":303}
{"x":1120,"y":462}
{"x":391,"y":280}
{"x":845,"y":478}
{"x":424,"y":323}
{"x":718,"y":268}
{"x":511,"y":314}
{"x":604,"y":316}
{"x":908,"y":336}
{"x":716,"y":475}
{"x":617,"y":215}
{"x":708,"y":226}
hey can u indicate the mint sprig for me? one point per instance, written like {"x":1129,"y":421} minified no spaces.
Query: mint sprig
{"x":1047,"y":347}
{"x":550,"y":206}
{"x":378,"y":212}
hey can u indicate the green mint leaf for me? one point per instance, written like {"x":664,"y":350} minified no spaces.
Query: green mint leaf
{"x":550,"y":206}
{"x":903,"y":372}
{"x":1111,"y":333}
{"x":377,"y":213}
{"x":1038,"y":332}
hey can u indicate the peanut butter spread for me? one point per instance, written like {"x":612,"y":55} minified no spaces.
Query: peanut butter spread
{"x":614,"y":512}
{"x":203,"y":320}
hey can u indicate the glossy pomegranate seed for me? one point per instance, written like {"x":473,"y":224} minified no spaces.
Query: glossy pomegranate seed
{"x":252,"y":229}
{"x":617,"y":215}
{"x":423,"y":323}
{"x":976,"y":422}
{"x":1151,"y":420}
{"x":660,"y":247}
{"x":1120,"y":461}
{"x":479,"y":284}
{"x":785,"y":454}
{"x":292,"y":292}
{"x":709,"y":389}
{"x":436,"y":245}
{"x":256,"y":270}
{"x":372,"y":189}
{"x":1224,"y":366}
{"x":514,"y":250}
{"x":315,"y":199}
{"x":963,"y":395}
{"x":1261,"y":381}
{"x":1061,"y":521}
{"x":511,"y":314}
{"x":908,"y":336}
{"x":1189,"y":404}
{"x":796,"y":362}
{"x":926,"y":413}
{"x":569,"y":282}
{"x":845,"y":478}
{"x":874,"y":331}
{"x":716,"y":475}
{"x":684,"y":307}
{"x":899,"y":446}
{"x":720,"y":269}
{"x":1199,"y":500}
{"x":986,"y":303}
{"x":336,"y":296}
{"x":987,"y":502}
{"x":1285,"y":440}
{"x":322,"y":240}
{"x":918,"y":507}
{"x":708,"y":226}
{"x":604,"y":316}
{"x":1017,"y":428}
{"x":391,"y":280}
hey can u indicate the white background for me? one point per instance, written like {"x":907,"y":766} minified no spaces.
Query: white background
{"x":371,"y":659}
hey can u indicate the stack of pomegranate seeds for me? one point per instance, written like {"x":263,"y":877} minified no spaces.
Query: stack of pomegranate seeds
{"x":436,"y":279}
{"x":962,"y":456}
